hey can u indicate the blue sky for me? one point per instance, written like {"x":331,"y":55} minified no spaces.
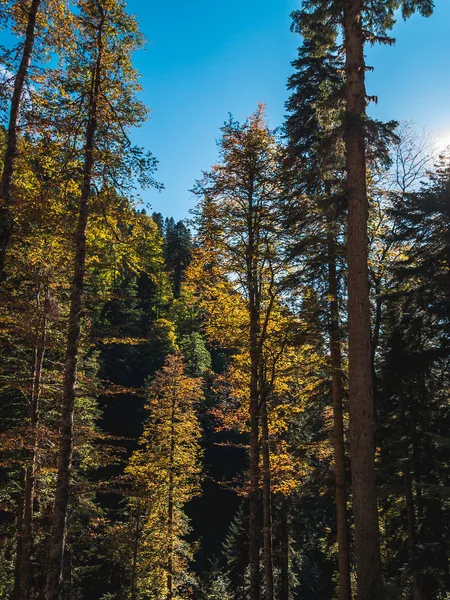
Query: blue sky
{"x":206,"y":59}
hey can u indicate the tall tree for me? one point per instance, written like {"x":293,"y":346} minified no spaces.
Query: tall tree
{"x":59,"y":522}
{"x":361,"y":406}
{"x":110,"y":109}
{"x":377,"y":19}
{"x":360,"y":23}
{"x":6,"y":216}
{"x":241,"y":199}
{"x":31,"y":21}
{"x":313,"y":129}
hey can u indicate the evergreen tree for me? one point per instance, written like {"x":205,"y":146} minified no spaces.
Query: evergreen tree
{"x":177,"y":251}
{"x":314,"y":132}
{"x":413,"y":375}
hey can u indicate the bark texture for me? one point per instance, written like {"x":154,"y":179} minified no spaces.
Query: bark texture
{"x":170,"y":589}
{"x":59,"y":521}
{"x":25,"y":545}
{"x":345,"y":592}
{"x":6,"y":216}
{"x":284,"y":550}
{"x":255,"y":361}
{"x":267,"y":507}
{"x":361,"y":405}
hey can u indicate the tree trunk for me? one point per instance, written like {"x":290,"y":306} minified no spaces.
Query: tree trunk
{"x":136,"y":552}
{"x":284,"y":550}
{"x":254,"y":502}
{"x":417,"y":592}
{"x":26,"y":535}
{"x":19,"y":530}
{"x":345,"y":592}
{"x":267,"y":506}
{"x":59,"y":521}
{"x":6,"y":216}
{"x":361,"y":407}
{"x":171,"y":502}
{"x":255,"y":360}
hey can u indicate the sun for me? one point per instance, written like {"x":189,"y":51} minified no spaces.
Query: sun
{"x":442,"y":141}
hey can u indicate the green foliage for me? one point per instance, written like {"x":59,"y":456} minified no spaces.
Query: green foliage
{"x":196,"y":354}
{"x":165,"y":323}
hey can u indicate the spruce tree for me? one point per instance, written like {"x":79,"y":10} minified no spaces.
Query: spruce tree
{"x":314,"y":133}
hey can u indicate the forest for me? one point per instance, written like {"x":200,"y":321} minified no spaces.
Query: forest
{"x":249,"y":404}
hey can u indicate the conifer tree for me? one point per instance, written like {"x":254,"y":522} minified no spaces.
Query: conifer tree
{"x":177,"y":251}
{"x":165,"y":473}
{"x":413,"y":374}
{"x":360,"y":23}
{"x":313,"y":129}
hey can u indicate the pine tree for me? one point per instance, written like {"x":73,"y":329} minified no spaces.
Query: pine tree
{"x":177,"y":251}
{"x":359,"y":24}
{"x":378,"y":19}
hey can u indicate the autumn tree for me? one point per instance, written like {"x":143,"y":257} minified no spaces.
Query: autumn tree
{"x":30,"y":21}
{"x":165,"y":473}
{"x":238,"y":213}
{"x":109,"y":108}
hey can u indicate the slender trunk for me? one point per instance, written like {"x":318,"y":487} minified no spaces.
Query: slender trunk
{"x":136,"y":552}
{"x":26,"y":536}
{"x":254,"y":501}
{"x":59,"y":521}
{"x":19,"y":530}
{"x":255,"y":359}
{"x":416,"y":576}
{"x":361,"y":406}
{"x":376,"y":338}
{"x":6,"y":216}
{"x":170,"y":565}
{"x":267,"y":506}
{"x":345,"y":592}
{"x":284,"y":552}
